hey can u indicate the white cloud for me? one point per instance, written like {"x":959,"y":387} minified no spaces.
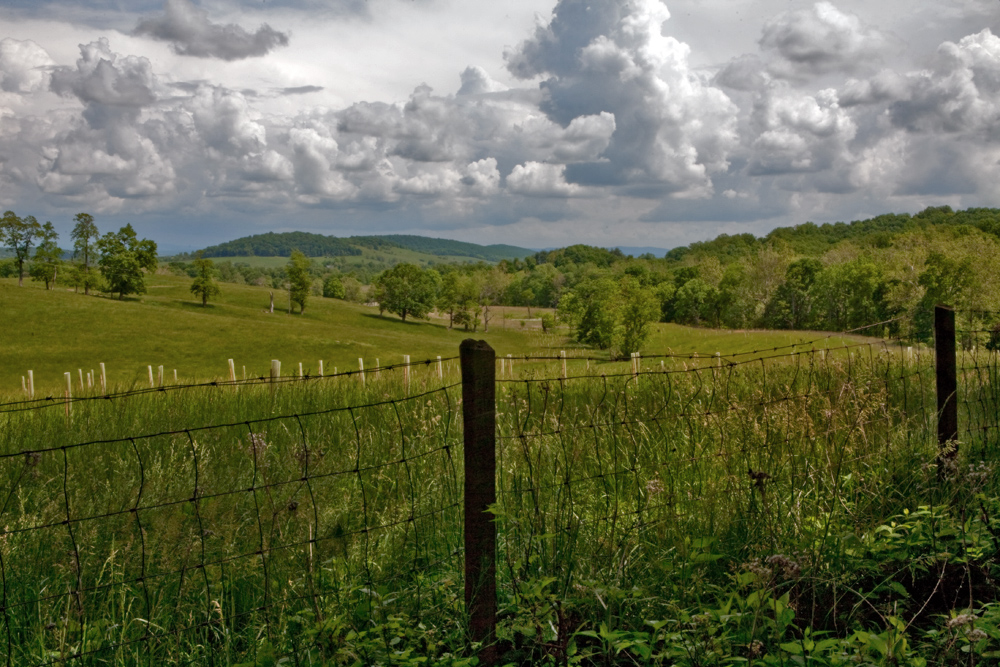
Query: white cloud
{"x":672,"y":127}
{"x":190,"y":32}
{"x":536,"y":179}
{"x":24,"y":66}
{"x":225,"y":121}
{"x":603,"y":116}
{"x":822,"y":39}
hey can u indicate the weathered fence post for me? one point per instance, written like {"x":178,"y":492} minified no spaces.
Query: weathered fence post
{"x":947,"y":383}
{"x":479,"y":414}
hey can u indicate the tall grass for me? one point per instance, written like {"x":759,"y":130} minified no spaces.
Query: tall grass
{"x":210,"y":526}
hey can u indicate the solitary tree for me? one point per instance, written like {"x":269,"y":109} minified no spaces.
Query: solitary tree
{"x":84,"y":235}
{"x":123,"y":258}
{"x":638,"y":308}
{"x":19,"y":235}
{"x":299,"y":280}
{"x":406,"y":289}
{"x":48,"y":257}
{"x":204,"y":284}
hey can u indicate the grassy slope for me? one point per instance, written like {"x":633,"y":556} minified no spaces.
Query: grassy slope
{"x":52,"y":332}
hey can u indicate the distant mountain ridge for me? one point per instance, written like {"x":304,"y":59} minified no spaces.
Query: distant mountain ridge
{"x":282,"y":244}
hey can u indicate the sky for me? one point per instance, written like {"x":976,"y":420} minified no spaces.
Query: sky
{"x":538,"y":123}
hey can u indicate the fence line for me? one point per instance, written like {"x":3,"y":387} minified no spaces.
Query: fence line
{"x":218,"y":534}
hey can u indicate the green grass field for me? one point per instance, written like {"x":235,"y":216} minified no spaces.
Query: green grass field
{"x":58,"y":331}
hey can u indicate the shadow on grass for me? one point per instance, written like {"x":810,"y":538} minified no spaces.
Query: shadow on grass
{"x":393,"y":318}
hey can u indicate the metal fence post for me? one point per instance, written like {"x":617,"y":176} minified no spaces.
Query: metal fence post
{"x":479,"y":414}
{"x":947,"y":383}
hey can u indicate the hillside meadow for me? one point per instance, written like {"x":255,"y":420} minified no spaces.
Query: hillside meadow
{"x":52,"y":332}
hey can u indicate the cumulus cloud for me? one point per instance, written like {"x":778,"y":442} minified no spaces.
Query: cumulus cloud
{"x":672,"y":127}
{"x":609,"y":118}
{"x":476,"y":81}
{"x":24,"y":66}
{"x":225,"y":121}
{"x":108,"y":83}
{"x":536,"y":179}
{"x":191,"y":33}
{"x":819,"y":40}
{"x":961,"y":93}
{"x":800,"y":133}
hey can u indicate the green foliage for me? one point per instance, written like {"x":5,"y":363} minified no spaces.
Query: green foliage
{"x":407,"y":289}
{"x":48,"y":257}
{"x":124,"y":258}
{"x":333,"y":287}
{"x":283,"y":245}
{"x":204,"y":285}
{"x":299,"y":280}
{"x":445,"y":247}
{"x":639,"y":309}
{"x":19,"y":234}
{"x":84,"y":234}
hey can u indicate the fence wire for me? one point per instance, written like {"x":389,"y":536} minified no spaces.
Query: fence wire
{"x":190,"y":543}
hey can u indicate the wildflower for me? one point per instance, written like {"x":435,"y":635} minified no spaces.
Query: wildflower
{"x":257,"y":445}
{"x":976,"y":635}
{"x":755,"y":649}
{"x":960,"y":620}
{"x":654,"y":486}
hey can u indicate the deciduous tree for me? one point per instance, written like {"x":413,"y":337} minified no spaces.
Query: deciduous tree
{"x":48,"y":257}
{"x":204,"y":284}
{"x":124,"y":259}
{"x":19,"y":235}
{"x":299,"y":280}
{"x":406,"y":289}
{"x":84,"y":235}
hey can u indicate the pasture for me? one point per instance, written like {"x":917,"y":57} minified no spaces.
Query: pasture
{"x":57,"y":331}
{"x":697,"y":512}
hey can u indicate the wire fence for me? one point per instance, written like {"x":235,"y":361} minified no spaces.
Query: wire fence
{"x":192,"y":544}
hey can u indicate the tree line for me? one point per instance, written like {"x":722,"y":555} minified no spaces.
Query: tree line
{"x":115,"y":262}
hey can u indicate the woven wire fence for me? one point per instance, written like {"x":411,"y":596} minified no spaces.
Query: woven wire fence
{"x":189,"y":546}
{"x":607,"y":472}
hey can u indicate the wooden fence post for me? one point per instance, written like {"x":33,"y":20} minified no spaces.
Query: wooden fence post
{"x":478,"y":361}
{"x":31,"y":384}
{"x":562,"y":355}
{"x":275,"y":370}
{"x":947,"y":383}
{"x":104,"y":380}
{"x":361,"y":370}
{"x":406,"y":374}
{"x":69,"y":392}
{"x":232,"y":371}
